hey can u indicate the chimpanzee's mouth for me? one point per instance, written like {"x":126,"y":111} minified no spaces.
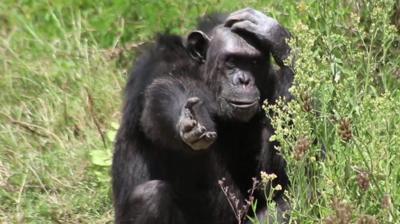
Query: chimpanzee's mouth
{"x":243,"y":104}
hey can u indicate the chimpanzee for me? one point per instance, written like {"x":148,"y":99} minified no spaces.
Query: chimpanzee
{"x":193,"y":116}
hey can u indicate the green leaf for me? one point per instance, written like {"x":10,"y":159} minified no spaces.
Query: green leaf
{"x":111,"y":135}
{"x":101,"y":157}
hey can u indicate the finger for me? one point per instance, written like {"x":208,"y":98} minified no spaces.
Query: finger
{"x":246,"y":14}
{"x":245,"y":11}
{"x":230,"y":21}
{"x":187,"y":114}
{"x":191,"y":102}
{"x":239,"y":17}
{"x":202,"y":129}
{"x":205,"y":140}
{"x":188,"y":124}
{"x":246,"y":26}
{"x":209,"y":136}
{"x":195,"y":134}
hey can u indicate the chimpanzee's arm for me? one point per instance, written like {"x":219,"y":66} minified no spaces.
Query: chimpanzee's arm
{"x":177,"y":114}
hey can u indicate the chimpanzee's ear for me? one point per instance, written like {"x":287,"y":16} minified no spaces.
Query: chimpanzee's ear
{"x":197,"y":45}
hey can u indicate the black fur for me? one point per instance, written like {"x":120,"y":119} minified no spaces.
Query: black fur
{"x":157,"y":178}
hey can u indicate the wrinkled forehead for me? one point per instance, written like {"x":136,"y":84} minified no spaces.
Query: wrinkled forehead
{"x":224,"y":41}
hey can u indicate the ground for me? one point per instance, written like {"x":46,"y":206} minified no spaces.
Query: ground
{"x":63,"y":65}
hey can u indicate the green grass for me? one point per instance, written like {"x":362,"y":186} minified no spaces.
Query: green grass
{"x":63,"y":65}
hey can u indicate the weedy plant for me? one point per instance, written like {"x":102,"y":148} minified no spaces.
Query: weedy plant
{"x":340,"y":135}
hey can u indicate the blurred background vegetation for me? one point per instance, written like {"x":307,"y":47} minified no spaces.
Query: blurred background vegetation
{"x":63,"y":66}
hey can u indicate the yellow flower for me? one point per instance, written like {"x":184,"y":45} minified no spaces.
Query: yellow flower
{"x":302,"y":7}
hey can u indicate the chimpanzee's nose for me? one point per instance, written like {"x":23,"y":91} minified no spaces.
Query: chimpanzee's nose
{"x":244,"y":79}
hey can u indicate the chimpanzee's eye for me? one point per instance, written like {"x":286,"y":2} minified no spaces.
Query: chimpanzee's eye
{"x":230,"y":62}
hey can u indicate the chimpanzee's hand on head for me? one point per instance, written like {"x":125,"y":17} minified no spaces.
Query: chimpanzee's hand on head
{"x":270,"y":34}
{"x":191,"y":131}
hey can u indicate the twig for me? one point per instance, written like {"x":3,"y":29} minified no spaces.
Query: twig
{"x":116,"y":52}
{"x":240,"y":211}
{"x":225,"y":190}
{"x":94,"y":117}
{"x":28,"y":127}
{"x":34,"y":129}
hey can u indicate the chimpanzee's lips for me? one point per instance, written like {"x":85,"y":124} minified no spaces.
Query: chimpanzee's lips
{"x":243,"y":104}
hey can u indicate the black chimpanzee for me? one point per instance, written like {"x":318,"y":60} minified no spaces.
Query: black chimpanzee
{"x":193,"y":115}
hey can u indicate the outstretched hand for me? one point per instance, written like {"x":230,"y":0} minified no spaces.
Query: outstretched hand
{"x":191,"y":131}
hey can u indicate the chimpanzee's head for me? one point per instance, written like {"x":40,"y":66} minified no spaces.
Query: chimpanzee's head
{"x":235,"y":68}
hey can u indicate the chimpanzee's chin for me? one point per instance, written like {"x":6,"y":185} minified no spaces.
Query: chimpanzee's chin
{"x":244,"y":114}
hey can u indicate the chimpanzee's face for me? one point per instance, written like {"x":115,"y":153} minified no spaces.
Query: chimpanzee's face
{"x":233,"y":68}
